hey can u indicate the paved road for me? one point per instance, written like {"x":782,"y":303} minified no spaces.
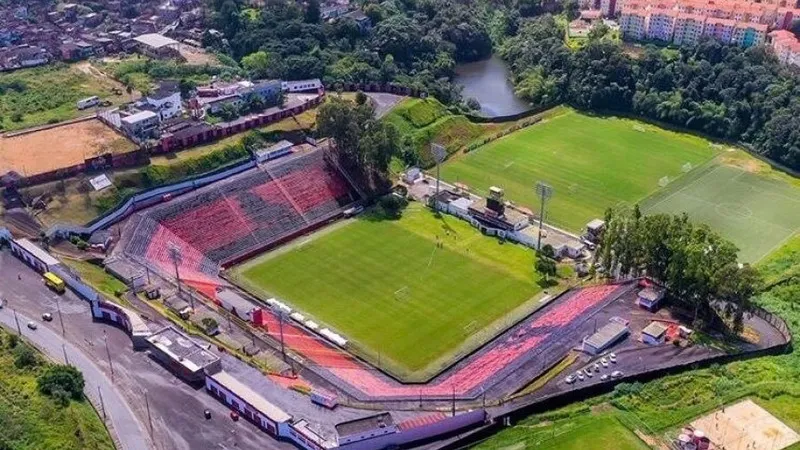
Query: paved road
{"x":127,"y":428}
{"x":176,"y":408}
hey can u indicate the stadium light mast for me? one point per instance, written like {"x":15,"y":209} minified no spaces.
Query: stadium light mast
{"x":544,"y":191}
{"x":175,"y":256}
{"x":439,"y":154}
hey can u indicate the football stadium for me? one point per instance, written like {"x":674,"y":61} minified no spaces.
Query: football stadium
{"x":390,"y":308}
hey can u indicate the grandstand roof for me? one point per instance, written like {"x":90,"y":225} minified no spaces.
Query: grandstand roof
{"x":254,"y":399}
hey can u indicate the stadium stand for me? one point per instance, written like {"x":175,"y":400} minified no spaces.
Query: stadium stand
{"x":232,"y":219}
{"x":528,"y":340}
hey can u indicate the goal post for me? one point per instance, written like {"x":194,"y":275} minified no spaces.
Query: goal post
{"x":663,"y":181}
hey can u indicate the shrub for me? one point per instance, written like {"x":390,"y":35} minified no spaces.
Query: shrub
{"x":59,"y":380}
{"x":24,"y":356}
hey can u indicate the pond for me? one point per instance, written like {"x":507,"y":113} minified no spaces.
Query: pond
{"x":488,"y":82}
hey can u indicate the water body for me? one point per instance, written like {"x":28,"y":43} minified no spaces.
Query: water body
{"x":488,"y":82}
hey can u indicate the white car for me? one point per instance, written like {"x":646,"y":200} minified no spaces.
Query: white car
{"x":588,"y":372}
{"x":570,"y":379}
{"x":32,"y":325}
{"x":604,"y":377}
{"x":616,"y":374}
{"x":596,"y":367}
{"x":580,"y":376}
{"x":604,"y":362}
{"x":613,"y":358}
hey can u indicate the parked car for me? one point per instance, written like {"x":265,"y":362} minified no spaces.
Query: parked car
{"x":32,"y":325}
{"x":588,"y":372}
{"x":207,"y":414}
{"x":596,"y":367}
{"x":580,"y":376}
{"x":604,"y":377}
{"x":616,"y":374}
{"x":47,"y":317}
{"x":604,"y":362}
{"x":613,"y":358}
{"x":234,"y":416}
{"x":570,"y":379}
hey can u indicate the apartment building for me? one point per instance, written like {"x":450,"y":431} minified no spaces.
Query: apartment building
{"x":661,"y":24}
{"x":749,"y":34}
{"x":633,"y":24}
{"x":719,"y":29}
{"x":688,"y":28}
{"x":786,"y":47}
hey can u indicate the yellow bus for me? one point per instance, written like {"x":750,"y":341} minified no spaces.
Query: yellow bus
{"x":53,"y":282}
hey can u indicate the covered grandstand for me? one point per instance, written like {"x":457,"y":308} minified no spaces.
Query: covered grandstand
{"x":231,"y":220}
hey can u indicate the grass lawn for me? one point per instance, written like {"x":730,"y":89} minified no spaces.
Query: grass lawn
{"x":32,"y":421}
{"x":387,"y":287}
{"x":755,"y":212}
{"x":590,"y":431}
{"x":592,"y":162}
{"x":98,"y":278}
{"x":47,"y":94}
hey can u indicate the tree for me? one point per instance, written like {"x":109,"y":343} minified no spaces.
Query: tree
{"x":60,"y":382}
{"x":473,"y":104}
{"x":186,"y":87}
{"x":24,"y":356}
{"x":257,"y":64}
{"x":572,"y":9}
{"x":312,"y":14}
{"x":545,"y":266}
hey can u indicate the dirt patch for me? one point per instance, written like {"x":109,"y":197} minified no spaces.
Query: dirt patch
{"x":746,"y":425}
{"x":748,"y":164}
{"x":651,"y":441}
{"x":59,"y":147}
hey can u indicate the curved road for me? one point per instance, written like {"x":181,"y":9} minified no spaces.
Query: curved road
{"x":128,"y":431}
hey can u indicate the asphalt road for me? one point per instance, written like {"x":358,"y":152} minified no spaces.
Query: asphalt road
{"x":127,"y":428}
{"x":175,"y":408}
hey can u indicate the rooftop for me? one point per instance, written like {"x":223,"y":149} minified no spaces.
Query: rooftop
{"x":155,"y":40}
{"x":181,"y":348}
{"x":655,"y":329}
{"x":606,"y":335}
{"x":139,"y":116}
{"x":251,"y":397}
{"x":37,"y":252}
{"x":363,"y":424}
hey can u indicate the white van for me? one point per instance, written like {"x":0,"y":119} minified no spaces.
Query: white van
{"x":88,"y":102}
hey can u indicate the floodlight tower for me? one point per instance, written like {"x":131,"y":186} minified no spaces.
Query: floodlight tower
{"x":176,"y":257}
{"x":544,"y":191}
{"x":439,"y":154}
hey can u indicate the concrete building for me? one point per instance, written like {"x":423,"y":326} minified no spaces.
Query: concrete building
{"x":32,"y":255}
{"x":650,"y":297}
{"x":688,"y":28}
{"x":749,"y":34}
{"x":165,"y":101}
{"x":248,"y":403}
{"x":661,"y":24}
{"x":365,"y":428}
{"x":786,"y":47}
{"x":633,"y":24}
{"x":141,"y":124}
{"x":157,"y":46}
{"x":609,"y":8}
{"x":183,"y":356}
{"x":654,"y":334}
{"x":606,"y":336}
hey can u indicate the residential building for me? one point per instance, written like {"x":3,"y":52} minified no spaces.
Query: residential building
{"x":141,"y":124}
{"x":157,"y":46}
{"x":633,"y":24}
{"x":749,"y":34}
{"x":165,"y":101}
{"x":720,"y":29}
{"x":786,"y":47}
{"x":661,"y":24}
{"x":688,"y":28}
{"x":609,"y":8}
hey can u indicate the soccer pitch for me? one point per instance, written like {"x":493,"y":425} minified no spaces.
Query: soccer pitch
{"x":592,"y":162}
{"x":755,"y":212}
{"x":405,"y":302}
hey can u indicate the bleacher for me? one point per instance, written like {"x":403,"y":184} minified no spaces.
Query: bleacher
{"x":235,"y":217}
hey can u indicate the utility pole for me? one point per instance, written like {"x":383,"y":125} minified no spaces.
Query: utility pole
{"x":454,"y":400}
{"x":60,"y":317}
{"x":108,"y":353}
{"x":439,"y":154}
{"x":102,"y":404}
{"x":543,"y":191}
{"x":175,"y":256}
{"x":16,"y":319}
{"x":149,"y":417}
{"x":280,"y":325}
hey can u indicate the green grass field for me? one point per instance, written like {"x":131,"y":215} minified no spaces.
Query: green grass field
{"x":754,"y":212}
{"x":592,"y":162}
{"x":601,"y":431}
{"x":388,"y":288}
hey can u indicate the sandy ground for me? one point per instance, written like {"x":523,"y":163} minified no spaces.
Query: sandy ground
{"x":746,"y":426}
{"x":62,"y":146}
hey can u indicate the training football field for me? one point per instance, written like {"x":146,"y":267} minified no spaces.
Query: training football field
{"x":404,"y":301}
{"x":592,"y":163}
{"x":755,"y":212}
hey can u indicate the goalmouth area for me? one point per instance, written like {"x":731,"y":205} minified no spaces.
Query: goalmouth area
{"x":412,"y":295}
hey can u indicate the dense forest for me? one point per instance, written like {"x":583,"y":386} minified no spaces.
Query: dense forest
{"x":720,"y":90}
